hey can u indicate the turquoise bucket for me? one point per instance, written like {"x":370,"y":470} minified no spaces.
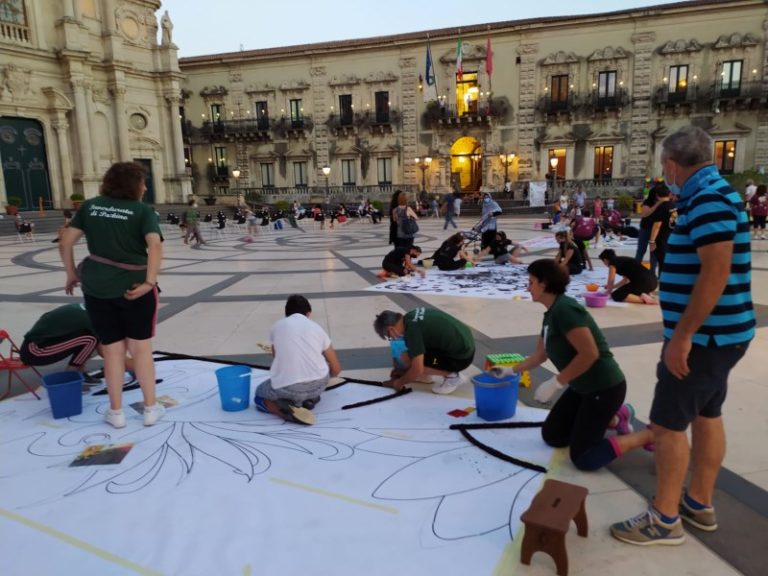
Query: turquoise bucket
{"x":496,"y":398}
{"x":65,"y":392}
{"x":234,"y":387}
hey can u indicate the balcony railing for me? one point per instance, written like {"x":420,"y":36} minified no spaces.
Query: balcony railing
{"x":14,"y":33}
{"x":549,"y":105}
{"x":687,"y":96}
{"x":616,"y":100}
{"x":738,"y":91}
{"x":241,"y":129}
{"x":218,"y":173}
{"x":479,"y":113}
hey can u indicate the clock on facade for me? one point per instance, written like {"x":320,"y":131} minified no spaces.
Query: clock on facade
{"x":13,"y":11}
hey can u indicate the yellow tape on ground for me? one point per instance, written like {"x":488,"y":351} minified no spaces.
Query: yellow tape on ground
{"x":77,"y":543}
{"x":314,"y":490}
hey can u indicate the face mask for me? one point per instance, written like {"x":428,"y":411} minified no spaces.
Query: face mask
{"x":609,"y":203}
{"x":487,"y":200}
{"x":674,"y":188}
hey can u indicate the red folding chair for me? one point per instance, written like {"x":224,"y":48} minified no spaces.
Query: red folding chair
{"x":12,"y":362}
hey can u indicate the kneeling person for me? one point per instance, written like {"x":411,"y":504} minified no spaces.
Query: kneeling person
{"x":437,"y":344}
{"x":304,"y":361}
{"x":399,"y":262}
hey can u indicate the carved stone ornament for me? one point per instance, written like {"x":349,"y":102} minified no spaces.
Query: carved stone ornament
{"x":380,"y":78}
{"x":560,"y":57}
{"x":209,"y":91}
{"x":344,"y":80}
{"x":680,"y":47}
{"x":294,"y":85}
{"x":255,"y":89}
{"x":735,"y":40}
{"x":468,"y":52}
{"x":132,"y":25}
{"x":15,"y":81}
{"x":608,"y":53}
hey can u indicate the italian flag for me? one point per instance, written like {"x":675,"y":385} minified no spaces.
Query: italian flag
{"x":459,"y":62}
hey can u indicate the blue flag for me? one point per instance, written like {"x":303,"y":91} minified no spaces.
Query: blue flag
{"x":430,"y":88}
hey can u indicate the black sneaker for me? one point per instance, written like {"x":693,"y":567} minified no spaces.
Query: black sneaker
{"x":310,"y":403}
{"x":286,"y":410}
{"x":88,"y":379}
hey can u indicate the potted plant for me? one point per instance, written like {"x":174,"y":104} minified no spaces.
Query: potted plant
{"x":210,"y":200}
{"x":12,"y":206}
{"x":624,"y":204}
{"x":77,"y":199}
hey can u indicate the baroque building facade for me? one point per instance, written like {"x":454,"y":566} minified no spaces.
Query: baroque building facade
{"x":598,"y":93}
{"x":83,"y":84}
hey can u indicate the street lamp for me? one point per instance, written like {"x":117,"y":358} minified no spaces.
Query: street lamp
{"x":326,"y":172}
{"x":236,"y":175}
{"x":506,"y":160}
{"x":553,"y":162}
{"x":424,"y":165}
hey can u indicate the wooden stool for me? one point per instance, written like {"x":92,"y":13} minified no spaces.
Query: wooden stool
{"x":548,"y":519}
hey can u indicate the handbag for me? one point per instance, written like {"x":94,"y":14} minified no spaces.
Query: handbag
{"x":409,"y":226}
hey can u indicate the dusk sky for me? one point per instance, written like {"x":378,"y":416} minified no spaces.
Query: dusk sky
{"x":205,"y":27}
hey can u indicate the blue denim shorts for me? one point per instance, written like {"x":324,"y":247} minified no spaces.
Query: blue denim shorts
{"x":677,"y":403}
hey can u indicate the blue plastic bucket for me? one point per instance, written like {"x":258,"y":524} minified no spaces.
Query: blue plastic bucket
{"x":496,"y":398}
{"x":234,"y":387}
{"x":65,"y":392}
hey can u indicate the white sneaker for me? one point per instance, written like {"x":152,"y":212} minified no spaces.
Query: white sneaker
{"x":153,"y":413}
{"x":449,"y":383}
{"x":116,"y":418}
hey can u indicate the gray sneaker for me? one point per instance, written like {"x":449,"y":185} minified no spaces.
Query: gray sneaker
{"x":704,"y":519}
{"x":647,"y":529}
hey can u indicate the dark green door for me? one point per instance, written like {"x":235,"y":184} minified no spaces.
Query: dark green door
{"x":25,"y":165}
{"x":149,"y":196}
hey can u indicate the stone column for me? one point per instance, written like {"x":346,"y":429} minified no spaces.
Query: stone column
{"x":173,"y":101}
{"x":61,"y":126}
{"x":639,"y":151}
{"x":321,"y":133}
{"x":91,"y":114}
{"x":83,"y":133}
{"x":123,"y":143}
{"x":527,"y":114}
{"x":409,"y":103}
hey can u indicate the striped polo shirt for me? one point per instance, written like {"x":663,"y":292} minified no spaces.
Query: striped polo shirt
{"x":709,"y":211}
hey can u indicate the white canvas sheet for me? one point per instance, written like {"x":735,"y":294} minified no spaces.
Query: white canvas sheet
{"x":486,"y":281}
{"x":378,"y":490}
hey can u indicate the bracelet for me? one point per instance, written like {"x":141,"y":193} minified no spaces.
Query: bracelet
{"x":652,"y":242}
{"x":153,"y":284}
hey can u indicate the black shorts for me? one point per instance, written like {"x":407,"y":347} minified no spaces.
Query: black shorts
{"x":116,"y":319}
{"x":636,"y":288}
{"x":677,"y":403}
{"x":394,"y":268}
{"x":436,"y":360}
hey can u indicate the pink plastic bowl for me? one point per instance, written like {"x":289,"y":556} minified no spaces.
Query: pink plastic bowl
{"x":596,"y":299}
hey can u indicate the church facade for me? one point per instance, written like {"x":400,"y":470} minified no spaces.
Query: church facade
{"x":83,"y":84}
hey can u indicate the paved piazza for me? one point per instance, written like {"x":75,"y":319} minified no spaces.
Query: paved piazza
{"x":220,"y":301}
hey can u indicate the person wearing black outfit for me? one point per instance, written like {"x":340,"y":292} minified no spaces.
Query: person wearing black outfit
{"x":393,"y":203}
{"x":568,"y":253}
{"x":647,"y":211}
{"x":660,"y":228}
{"x":637,"y":281}
{"x":399,"y":262}
{"x":451,"y":254}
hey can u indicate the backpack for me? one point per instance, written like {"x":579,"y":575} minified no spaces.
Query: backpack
{"x":409,"y":226}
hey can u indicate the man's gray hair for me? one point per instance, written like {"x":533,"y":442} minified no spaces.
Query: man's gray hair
{"x":687,"y":146}
{"x":385,"y":320}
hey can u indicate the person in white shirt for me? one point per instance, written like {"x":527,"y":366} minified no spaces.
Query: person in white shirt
{"x":303,"y":363}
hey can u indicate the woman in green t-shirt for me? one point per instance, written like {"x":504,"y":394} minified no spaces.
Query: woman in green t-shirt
{"x":119,"y":281}
{"x":594,"y":385}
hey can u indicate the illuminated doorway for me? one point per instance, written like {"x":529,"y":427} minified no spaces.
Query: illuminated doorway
{"x":467,"y":93}
{"x":467,"y":164}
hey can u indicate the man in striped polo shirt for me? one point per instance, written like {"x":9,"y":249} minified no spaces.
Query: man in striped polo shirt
{"x":709,"y":321}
